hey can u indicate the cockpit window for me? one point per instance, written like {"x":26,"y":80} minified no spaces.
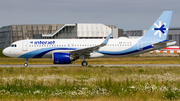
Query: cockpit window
{"x":13,"y":45}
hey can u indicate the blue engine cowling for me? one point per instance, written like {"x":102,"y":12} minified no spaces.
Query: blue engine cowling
{"x":61,"y":58}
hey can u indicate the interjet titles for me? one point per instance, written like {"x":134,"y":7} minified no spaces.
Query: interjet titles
{"x":44,"y":42}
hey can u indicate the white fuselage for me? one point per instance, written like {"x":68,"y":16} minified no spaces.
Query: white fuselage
{"x":34,"y":47}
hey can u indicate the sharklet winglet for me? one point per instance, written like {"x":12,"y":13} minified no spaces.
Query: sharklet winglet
{"x":106,"y":40}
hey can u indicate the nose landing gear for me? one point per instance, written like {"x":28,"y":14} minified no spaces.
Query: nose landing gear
{"x":26,"y":62}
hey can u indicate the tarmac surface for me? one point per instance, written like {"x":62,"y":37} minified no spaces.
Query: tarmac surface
{"x":108,"y":65}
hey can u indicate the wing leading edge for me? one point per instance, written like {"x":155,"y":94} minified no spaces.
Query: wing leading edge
{"x":86,"y":51}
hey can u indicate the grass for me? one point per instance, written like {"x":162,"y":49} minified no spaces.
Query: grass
{"x":1,"y":54}
{"x":123,"y":60}
{"x":90,"y":83}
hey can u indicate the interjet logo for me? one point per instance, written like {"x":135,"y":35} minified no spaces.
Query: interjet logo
{"x":160,"y":29}
{"x":43,"y":42}
{"x":31,"y":42}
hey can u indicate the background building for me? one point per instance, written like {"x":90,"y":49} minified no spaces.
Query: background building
{"x":12,"y":33}
{"x":134,"y":33}
{"x":174,"y":34}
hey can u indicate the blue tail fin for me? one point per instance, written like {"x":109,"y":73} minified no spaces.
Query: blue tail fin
{"x":159,"y":30}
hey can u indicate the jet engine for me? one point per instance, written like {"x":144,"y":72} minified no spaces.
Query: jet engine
{"x":62,"y":58}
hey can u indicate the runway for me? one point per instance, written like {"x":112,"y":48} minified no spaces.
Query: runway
{"x":94,"y":65}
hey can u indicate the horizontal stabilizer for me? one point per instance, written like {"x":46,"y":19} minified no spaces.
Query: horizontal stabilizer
{"x":164,"y":44}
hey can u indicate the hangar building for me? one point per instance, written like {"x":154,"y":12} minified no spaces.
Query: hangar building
{"x":174,"y":34}
{"x":12,"y":33}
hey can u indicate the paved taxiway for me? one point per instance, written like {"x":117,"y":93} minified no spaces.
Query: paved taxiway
{"x":75,"y":65}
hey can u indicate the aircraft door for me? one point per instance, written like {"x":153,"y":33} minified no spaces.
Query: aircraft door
{"x":24,"y":46}
{"x":140,"y":45}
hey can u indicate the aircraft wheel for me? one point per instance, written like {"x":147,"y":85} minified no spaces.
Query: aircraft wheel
{"x":25,"y":64}
{"x":84,"y":63}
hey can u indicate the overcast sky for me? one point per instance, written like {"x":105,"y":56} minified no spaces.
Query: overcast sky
{"x":125,"y":14}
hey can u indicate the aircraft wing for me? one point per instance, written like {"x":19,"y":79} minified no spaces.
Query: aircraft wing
{"x":88,"y":50}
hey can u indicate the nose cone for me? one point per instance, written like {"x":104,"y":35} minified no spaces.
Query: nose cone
{"x":10,"y":52}
{"x":5,"y":52}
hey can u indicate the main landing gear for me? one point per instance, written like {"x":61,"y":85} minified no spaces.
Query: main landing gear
{"x":84,"y":63}
{"x":26,"y":62}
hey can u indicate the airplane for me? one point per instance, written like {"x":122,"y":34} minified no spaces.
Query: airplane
{"x":64,"y":51}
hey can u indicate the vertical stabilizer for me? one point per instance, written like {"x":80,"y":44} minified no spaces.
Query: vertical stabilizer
{"x":159,"y":30}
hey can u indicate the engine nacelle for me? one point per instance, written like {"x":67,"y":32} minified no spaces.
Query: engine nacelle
{"x":61,"y":58}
